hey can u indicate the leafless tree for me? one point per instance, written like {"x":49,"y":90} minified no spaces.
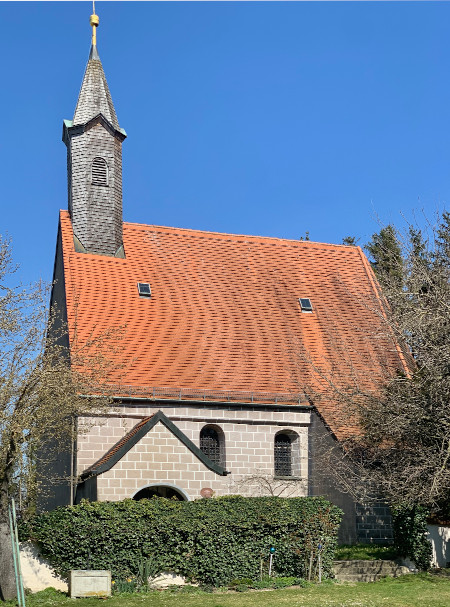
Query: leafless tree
{"x":42,"y":389}
{"x":400,"y":446}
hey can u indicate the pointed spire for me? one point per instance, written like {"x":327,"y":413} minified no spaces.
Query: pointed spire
{"x":94,"y":97}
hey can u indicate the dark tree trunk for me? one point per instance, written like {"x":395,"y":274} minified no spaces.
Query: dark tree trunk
{"x":7,"y":579}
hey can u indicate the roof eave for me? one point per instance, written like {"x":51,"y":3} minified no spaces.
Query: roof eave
{"x":69,"y":128}
{"x":219,"y":403}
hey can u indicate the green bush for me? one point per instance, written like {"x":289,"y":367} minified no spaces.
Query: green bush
{"x":208,"y":541}
{"x":410,"y":534}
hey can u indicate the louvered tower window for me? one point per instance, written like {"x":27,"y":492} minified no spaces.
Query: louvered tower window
{"x":211,"y":443}
{"x":99,"y":171}
{"x":283,"y":455}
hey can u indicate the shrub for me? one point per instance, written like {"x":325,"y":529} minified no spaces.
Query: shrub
{"x":410,"y":534}
{"x":284,"y":582}
{"x":208,"y":541}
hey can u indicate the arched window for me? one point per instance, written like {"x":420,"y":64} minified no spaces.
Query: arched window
{"x":99,"y":171}
{"x":212,"y":443}
{"x":283,"y":455}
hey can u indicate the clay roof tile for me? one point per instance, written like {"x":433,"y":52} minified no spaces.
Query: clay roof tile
{"x":224,"y":313}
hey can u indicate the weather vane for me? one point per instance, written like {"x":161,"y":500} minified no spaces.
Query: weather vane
{"x":94,"y":21}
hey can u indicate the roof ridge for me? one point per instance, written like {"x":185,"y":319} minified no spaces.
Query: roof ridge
{"x":238,"y":236}
{"x":233,"y":235}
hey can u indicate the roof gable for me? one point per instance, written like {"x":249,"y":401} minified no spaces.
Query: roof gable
{"x":130,"y":439}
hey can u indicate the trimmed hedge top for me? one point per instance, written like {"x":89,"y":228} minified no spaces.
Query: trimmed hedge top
{"x":211,"y":541}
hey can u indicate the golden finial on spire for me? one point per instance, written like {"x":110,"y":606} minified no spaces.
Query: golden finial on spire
{"x":94,"y":21}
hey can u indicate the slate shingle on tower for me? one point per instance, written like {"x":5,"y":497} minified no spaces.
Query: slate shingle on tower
{"x":94,"y":165}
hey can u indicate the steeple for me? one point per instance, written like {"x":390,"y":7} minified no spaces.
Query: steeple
{"x":94,"y":162}
{"x":94,"y":97}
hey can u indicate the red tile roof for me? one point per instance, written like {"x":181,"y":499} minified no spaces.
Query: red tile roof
{"x":224,"y":312}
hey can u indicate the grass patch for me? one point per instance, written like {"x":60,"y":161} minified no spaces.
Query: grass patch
{"x":365,"y":552}
{"x":422,"y":590}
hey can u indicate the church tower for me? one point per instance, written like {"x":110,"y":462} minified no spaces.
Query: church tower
{"x":94,"y":163}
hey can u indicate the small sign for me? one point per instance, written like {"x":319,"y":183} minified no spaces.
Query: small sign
{"x":206,"y":492}
{"x":85,"y":583}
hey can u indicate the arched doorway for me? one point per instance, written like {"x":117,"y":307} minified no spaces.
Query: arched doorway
{"x":170,"y":492}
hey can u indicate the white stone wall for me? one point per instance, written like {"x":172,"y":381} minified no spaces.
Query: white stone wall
{"x":440,"y":541}
{"x":161,"y":458}
{"x":37,"y":574}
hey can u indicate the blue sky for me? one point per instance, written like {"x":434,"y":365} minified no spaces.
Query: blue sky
{"x":269,"y":118}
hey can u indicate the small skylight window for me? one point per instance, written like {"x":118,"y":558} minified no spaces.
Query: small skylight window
{"x":144,"y":289}
{"x":305,"y":305}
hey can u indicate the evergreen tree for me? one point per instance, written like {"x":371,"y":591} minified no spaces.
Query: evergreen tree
{"x":442,"y":250}
{"x":386,"y":257}
{"x":350,"y":241}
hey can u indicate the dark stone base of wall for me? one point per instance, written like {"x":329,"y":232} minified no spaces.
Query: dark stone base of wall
{"x":361,"y":524}
{"x":374,"y":524}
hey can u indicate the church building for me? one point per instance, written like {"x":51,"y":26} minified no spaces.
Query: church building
{"x":229,"y":341}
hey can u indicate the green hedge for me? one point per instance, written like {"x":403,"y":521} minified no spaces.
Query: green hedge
{"x":410,"y":534}
{"x":211,"y":541}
